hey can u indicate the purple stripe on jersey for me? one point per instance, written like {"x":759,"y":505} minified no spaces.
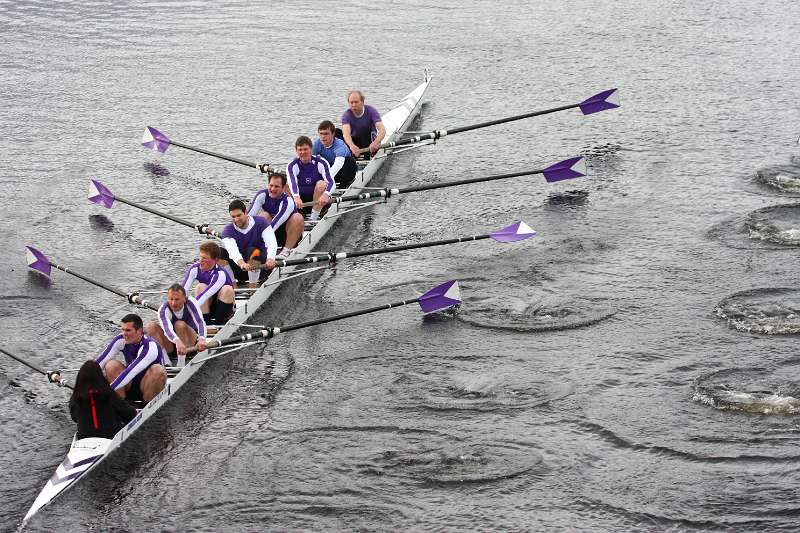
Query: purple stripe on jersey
{"x":249,"y":240}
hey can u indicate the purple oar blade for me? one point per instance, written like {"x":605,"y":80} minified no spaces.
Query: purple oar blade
{"x":155,"y":140}
{"x":440,"y":297}
{"x":518,"y":231}
{"x":574,"y":167}
{"x":600,"y":102}
{"x":100,"y":194}
{"x":37,"y":260}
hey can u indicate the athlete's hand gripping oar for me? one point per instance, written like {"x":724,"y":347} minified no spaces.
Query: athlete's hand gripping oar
{"x":518,"y":231}
{"x":574,"y":167}
{"x":52,"y":377}
{"x":440,"y":297}
{"x":101,"y":195}
{"x":155,"y":140}
{"x":40,"y":263}
{"x":600,"y":102}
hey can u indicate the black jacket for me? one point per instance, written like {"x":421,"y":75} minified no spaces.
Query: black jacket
{"x":111,"y":413}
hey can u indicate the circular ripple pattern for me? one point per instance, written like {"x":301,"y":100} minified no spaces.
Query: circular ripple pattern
{"x":784,"y":178}
{"x":750,"y":390}
{"x":771,"y":311}
{"x":779,"y":224}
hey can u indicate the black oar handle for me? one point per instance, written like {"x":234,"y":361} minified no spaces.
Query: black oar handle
{"x":332,"y":257}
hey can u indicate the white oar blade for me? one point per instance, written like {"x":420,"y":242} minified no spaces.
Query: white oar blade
{"x":600,"y":102}
{"x":440,"y":297}
{"x":518,"y":231}
{"x":100,"y":194}
{"x":155,"y":140}
{"x":37,"y":260}
{"x":574,"y":167}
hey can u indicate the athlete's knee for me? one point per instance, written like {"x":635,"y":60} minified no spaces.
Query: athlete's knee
{"x":200,"y":287}
{"x":226,"y":294}
{"x":152,"y":328}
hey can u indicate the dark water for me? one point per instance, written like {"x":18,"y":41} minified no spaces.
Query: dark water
{"x":593,"y":380}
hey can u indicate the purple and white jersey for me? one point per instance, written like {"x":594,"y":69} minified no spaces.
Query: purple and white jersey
{"x":138,"y":356}
{"x":304,"y":176}
{"x":190,"y":313}
{"x":257,"y":234}
{"x":280,"y":208}
{"x":214,"y":279}
{"x":363,"y":125}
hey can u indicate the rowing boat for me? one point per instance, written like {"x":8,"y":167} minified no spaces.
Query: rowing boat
{"x":86,"y":454}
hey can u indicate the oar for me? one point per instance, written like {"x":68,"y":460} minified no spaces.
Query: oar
{"x":600,"y":102}
{"x":52,"y":377}
{"x":517,"y":231}
{"x":155,"y":140}
{"x":440,"y":297}
{"x":40,"y":263}
{"x":101,"y":195}
{"x":574,"y":167}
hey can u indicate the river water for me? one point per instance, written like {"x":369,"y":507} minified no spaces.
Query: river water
{"x":632,"y":367}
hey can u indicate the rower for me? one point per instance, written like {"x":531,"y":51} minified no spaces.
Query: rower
{"x":275,"y":205}
{"x":361,"y":125}
{"x":180,"y":324}
{"x":310,"y":178}
{"x":336,"y":153}
{"x":142,"y":375}
{"x":214,"y":290}
{"x":251,"y":237}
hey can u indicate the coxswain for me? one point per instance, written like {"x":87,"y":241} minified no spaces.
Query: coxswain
{"x":94,"y":405}
{"x":336,"y":153}
{"x":361,"y":125}
{"x":180,"y":324}
{"x":309,"y":178}
{"x":143,"y":373}
{"x":250,"y":237}
{"x":214,"y":290}
{"x":275,"y":204}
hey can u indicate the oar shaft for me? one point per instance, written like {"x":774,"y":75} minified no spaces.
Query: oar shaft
{"x":110,"y":288}
{"x":214,"y":154}
{"x":268,"y":333}
{"x":510,"y":119}
{"x":202,"y":228}
{"x":34,"y":367}
{"x":391,"y":192}
{"x":333,"y":256}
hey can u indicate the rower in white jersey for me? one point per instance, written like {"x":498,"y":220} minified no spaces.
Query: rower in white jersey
{"x":250,"y":237}
{"x":275,"y":205}
{"x":133,"y":363}
{"x":214,"y":290}
{"x":309,"y":178}
{"x":180,"y":324}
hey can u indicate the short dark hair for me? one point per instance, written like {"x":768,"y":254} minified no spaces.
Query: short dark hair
{"x":303,"y":140}
{"x":326,"y":125}
{"x":177,"y":287}
{"x":211,"y":248}
{"x":133,"y":318}
{"x":277,"y":174}
{"x":237,"y":204}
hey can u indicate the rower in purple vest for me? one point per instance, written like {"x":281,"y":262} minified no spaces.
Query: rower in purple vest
{"x":180,"y":324}
{"x":133,"y":363}
{"x":214,"y":290}
{"x":336,"y":153}
{"x":250,"y":237}
{"x":309,"y":178}
{"x":274,"y":204}
{"x":361,"y":125}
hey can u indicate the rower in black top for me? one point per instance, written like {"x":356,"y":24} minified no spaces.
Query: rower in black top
{"x":98,"y":410}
